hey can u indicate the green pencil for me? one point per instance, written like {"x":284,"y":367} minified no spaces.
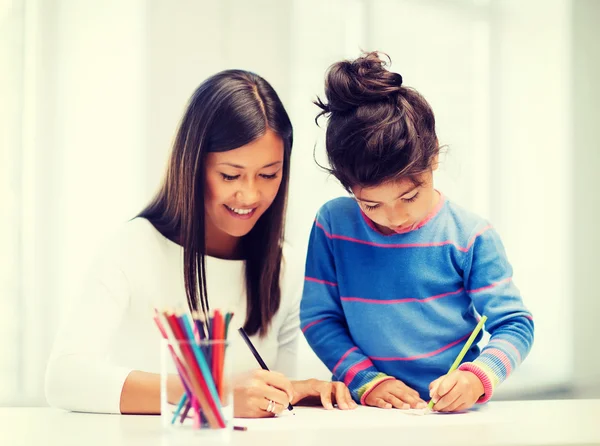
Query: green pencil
{"x":463,"y":352}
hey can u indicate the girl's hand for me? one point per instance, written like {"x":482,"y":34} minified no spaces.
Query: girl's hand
{"x":253,"y":393}
{"x":316,"y":392}
{"x":455,"y":392}
{"x":394,"y":393}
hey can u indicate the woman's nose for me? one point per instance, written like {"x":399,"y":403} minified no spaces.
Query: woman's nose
{"x":249,"y":194}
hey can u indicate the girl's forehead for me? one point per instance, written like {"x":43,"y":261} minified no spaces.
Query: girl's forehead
{"x":384,"y":192}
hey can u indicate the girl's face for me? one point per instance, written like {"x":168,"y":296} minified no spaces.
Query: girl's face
{"x":241,"y":184}
{"x":398,"y":206}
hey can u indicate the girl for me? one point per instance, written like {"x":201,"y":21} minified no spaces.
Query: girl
{"x":397,"y":275}
{"x":212,"y":236}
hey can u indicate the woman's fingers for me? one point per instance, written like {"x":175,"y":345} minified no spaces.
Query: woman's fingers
{"x":273,"y":394}
{"x":325,"y":393}
{"x":271,"y":406}
{"x":277,"y":380}
{"x":342,"y":396}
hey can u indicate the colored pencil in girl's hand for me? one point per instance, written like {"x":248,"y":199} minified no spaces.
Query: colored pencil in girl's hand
{"x":462,"y":354}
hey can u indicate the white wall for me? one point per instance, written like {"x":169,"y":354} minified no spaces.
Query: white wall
{"x":585,"y":148}
{"x":105,"y":84}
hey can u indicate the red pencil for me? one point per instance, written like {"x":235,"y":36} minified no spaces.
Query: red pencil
{"x":198,"y":383}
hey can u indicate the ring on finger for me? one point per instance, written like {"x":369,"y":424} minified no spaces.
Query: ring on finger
{"x":271,"y":406}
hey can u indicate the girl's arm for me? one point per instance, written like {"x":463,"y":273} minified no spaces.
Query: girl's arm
{"x":488,"y":280}
{"x":322,"y":318}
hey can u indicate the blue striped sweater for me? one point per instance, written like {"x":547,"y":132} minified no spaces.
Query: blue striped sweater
{"x":376,"y":306}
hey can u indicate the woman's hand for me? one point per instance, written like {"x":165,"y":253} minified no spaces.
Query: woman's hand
{"x":394,"y":393}
{"x":261,"y":394}
{"x":325,"y":393}
{"x":456,"y":391}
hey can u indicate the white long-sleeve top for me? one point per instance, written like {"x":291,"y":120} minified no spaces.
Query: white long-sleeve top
{"x":110,"y":331}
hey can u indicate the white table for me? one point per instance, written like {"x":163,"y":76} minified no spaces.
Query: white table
{"x":568,"y":422}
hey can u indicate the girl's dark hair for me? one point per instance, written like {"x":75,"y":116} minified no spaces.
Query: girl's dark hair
{"x":227,"y":111}
{"x":378,"y":130}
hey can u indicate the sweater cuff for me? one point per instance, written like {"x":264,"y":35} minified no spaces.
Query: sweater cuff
{"x":365,"y":390}
{"x":488,"y":388}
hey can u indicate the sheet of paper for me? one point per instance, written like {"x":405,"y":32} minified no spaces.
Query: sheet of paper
{"x":303,"y":417}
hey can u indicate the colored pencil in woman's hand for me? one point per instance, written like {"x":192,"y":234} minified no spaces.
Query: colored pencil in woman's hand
{"x":257,"y":355}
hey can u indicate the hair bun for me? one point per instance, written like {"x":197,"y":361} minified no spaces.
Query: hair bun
{"x":349,"y":84}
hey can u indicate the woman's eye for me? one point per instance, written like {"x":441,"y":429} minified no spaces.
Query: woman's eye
{"x":229,"y":177}
{"x":371,"y":208}
{"x":269,"y":177}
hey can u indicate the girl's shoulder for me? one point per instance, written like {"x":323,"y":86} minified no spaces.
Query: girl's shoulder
{"x":464,"y":221}
{"x":338,"y":207}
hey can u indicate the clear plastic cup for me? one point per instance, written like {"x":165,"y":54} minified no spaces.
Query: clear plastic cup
{"x":196,"y":394}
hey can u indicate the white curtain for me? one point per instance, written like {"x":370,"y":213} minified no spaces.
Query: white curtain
{"x":94,"y":91}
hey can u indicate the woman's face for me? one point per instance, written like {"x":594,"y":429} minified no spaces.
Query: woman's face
{"x":242,"y":183}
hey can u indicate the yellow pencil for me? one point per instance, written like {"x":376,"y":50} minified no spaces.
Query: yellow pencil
{"x":463,"y":352}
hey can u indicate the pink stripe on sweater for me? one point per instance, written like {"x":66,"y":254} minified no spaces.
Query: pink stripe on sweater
{"x":344,"y":356}
{"x":396,"y":245}
{"x":493,"y":285}
{"x":399,"y":301}
{"x":511,"y":346}
{"x":421,"y":356}
{"x":501,"y":356}
{"x":324,"y":282}
{"x":307,"y":326}
{"x":487,"y":228}
{"x":355,"y":369}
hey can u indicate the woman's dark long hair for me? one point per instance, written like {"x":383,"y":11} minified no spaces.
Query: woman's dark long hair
{"x":227,"y":111}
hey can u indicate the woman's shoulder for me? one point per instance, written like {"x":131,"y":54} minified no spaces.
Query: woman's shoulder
{"x":134,"y":242}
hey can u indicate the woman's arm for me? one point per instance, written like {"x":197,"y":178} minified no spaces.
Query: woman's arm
{"x":141,"y":393}
{"x":79,"y":374}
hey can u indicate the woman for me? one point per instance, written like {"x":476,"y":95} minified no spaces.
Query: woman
{"x":212,"y":236}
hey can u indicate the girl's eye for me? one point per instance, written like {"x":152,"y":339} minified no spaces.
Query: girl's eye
{"x":371,"y":208}
{"x":229,"y":177}
{"x":411,"y":199}
{"x":269,"y":177}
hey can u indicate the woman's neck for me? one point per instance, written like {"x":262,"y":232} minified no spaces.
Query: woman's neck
{"x":222,"y":245}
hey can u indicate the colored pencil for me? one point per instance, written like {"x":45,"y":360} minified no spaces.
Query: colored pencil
{"x":257,"y":355}
{"x":463,"y":352}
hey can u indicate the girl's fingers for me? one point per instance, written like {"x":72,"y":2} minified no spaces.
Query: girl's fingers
{"x":445,"y":401}
{"x":455,"y":405}
{"x":380,"y":402}
{"x":397,"y":402}
{"x":408,"y":397}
